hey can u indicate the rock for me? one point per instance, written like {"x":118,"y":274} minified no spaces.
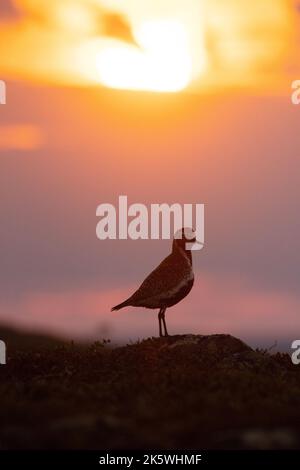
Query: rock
{"x":183,"y":391}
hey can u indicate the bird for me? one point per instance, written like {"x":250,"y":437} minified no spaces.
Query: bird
{"x":169,"y":283}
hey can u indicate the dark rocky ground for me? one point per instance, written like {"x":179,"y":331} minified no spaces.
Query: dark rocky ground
{"x":179,"y":392}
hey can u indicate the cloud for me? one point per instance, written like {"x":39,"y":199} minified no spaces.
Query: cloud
{"x":77,"y":16}
{"x":117,"y":26}
{"x":23,"y":137}
{"x":8,"y":10}
{"x":59,"y":41}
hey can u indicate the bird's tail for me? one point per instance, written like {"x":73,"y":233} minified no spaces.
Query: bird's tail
{"x":119,"y":306}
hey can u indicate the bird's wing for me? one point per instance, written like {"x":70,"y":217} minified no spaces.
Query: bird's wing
{"x":163,"y":279}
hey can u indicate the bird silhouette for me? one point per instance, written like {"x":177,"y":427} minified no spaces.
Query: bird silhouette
{"x":169,"y":283}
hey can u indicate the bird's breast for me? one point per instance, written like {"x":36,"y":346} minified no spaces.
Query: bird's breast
{"x":176,"y":293}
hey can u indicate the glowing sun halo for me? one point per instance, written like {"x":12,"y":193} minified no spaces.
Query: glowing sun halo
{"x":162,"y":63}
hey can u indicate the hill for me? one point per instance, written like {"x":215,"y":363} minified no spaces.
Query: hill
{"x":181,"y":392}
{"x":16,"y":339}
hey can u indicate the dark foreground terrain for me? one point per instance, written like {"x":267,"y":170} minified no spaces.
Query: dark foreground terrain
{"x":178,"y":392}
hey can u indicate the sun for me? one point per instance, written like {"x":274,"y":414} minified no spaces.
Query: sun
{"x":161,"y":62}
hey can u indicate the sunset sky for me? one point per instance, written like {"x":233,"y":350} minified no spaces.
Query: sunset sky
{"x":163,"y":101}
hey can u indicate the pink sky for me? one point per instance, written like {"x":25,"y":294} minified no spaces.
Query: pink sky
{"x":215,"y":305}
{"x":235,"y":148}
{"x":237,"y":154}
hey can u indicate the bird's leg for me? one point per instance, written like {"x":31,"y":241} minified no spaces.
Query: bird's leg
{"x":164,"y":322}
{"x":160,"y":313}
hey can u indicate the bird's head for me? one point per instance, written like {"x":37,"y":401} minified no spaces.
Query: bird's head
{"x":185,"y":239}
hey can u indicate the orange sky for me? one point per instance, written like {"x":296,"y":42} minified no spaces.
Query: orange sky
{"x":198,"y":43}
